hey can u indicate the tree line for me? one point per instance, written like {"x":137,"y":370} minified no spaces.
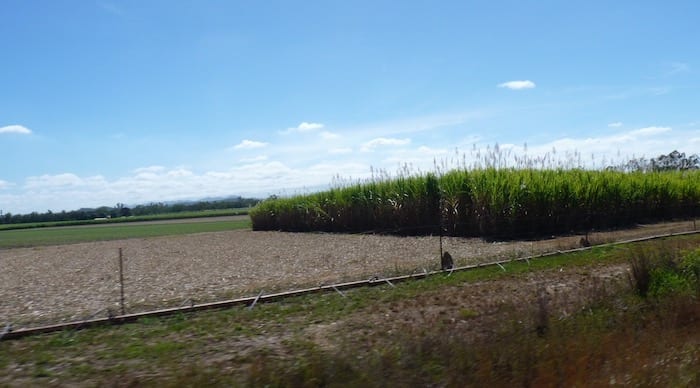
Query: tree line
{"x":675,"y":161}
{"x":121,"y":210}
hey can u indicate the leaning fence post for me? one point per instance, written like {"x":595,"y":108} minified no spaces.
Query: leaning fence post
{"x":121,"y":280}
{"x":7,"y":329}
{"x":441,"y":213}
{"x":256,"y":300}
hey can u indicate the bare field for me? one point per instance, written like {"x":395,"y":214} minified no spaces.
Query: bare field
{"x":68,"y":282}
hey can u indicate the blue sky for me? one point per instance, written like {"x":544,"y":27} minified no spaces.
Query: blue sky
{"x":138,"y":101}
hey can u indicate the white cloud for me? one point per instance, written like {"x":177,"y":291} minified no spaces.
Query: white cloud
{"x":384,"y":141}
{"x":304,"y":127}
{"x":649,"y":131}
{"x":340,"y":150}
{"x":431,"y":151}
{"x":600,"y":151}
{"x":325,"y":135}
{"x":149,"y":169}
{"x":67,"y":179}
{"x":517,"y":85}
{"x":68,"y":191}
{"x":258,"y":158}
{"x":179,"y":173}
{"x":422,"y":158}
{"x":249,"y":144}
{"x":18,"y":129}
{"x":615,"y":125}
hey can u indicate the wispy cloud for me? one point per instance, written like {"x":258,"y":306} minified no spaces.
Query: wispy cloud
{"x":518,"y":85}
{"x":149,"y":169}
{"x":326,"y":135}
{"x":620,"y":147}
{"x":146,"y":173}
{"x":4,"y":184}
{"x":675,"y":68}
{"x":249,"y":144}
{"x":304,"y":127}
{"x":422,"y":158}
{"x":384,"y":141}
{"x":615,"y":125}
{"x":660,"y":91}
{"x":431,"y":151}
{"x":647,"y":131}
{"x":111,"y":8}
{"x":60,"y":181}
{"x":340,"y":150}
{"x":17,"y":129}
{"x":259,"y":158}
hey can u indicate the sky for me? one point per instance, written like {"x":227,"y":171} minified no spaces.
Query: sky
{"x":106,"y":101}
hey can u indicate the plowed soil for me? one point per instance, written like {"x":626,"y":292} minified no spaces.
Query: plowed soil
{"x":67,"y":282}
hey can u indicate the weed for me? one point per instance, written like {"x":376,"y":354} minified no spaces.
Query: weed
{"x":664,"y":270}
{"x":468,"y":313}
{"x":641,"y":269}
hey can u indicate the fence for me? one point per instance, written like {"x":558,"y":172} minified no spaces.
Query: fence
{"x":377,"y":273}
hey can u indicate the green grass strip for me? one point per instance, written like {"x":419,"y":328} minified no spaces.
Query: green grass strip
{"x":119,"y":220}
{"x":71,"y":235}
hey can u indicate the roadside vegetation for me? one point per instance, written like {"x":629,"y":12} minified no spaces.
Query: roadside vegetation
{"x":638,"y":331}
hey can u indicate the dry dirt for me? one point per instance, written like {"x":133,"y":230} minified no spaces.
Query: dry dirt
{"x":479,"y":310}
{"x":67,"y":282}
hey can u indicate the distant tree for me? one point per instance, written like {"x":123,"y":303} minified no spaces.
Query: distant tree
{"x":675,"y":161}
{"x":121,"y":210}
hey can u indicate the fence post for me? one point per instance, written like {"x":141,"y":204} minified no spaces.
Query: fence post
{"x":121,"y":280}
{"x":441,"y":216}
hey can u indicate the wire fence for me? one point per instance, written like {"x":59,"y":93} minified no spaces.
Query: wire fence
{"x":121,"y":307}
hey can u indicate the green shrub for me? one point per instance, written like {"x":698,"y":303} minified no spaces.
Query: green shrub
{"x":665,"y":271}
{"x":669,"y":282}
{"x":690,"y":268}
